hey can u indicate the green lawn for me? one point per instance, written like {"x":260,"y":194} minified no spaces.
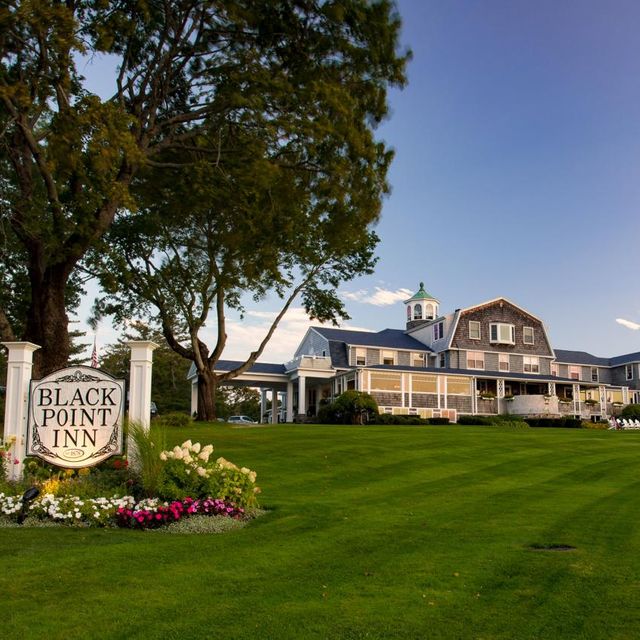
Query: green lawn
{"x":374,"y":532}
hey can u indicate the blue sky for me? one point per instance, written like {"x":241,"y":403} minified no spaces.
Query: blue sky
{"x":516,"y":174}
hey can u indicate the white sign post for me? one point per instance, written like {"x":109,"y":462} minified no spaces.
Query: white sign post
{"x":140,"y":381}
{"x":75,"y":417}
{"x":20,"y":364}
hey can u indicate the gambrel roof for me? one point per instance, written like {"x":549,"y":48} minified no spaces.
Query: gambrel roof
{"x":385,"y":339}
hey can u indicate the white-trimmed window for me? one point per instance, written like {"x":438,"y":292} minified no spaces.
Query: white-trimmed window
{"x":554,"y":369}
{"x":531,"y":364}
{"x":474,"y":330}
{"x":388,"y":357}
{"x":417,"y":359}
{"x":408,"y":313}
{"x":443,"y":361}
{"x":475,"y":360}
{"x":361,"y":357}
{"x":438,"y":331}
{"x":429,"y":311}
{"x":417,"y":312}
{"x":502,"y":333}
{"x":503,"y":362}
{"x":628,"y":370}
{"x":386,"y":381}
{"x":594,"y":374}
{"x":574,"y":372}
{"x":528,"y":335}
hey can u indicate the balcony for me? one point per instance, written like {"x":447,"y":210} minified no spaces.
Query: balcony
{"x":316,"y":363}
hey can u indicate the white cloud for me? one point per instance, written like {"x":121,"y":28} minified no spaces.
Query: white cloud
{"x":627,"y":323}
{"x":244,"y":336}
{"x":379,"y":298}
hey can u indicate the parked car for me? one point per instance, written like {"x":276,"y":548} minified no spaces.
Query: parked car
{"x":241,"y":420}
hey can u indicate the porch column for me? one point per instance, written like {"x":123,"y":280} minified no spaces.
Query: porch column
{"x":625,"y":395}
{"x":474,"y":395}
{"x":602,"y":398}
{"x":576,"y":399}
{"x":302,"y":396}
{"x":274,"y":406}
{"x":19,"y":367}
{"x":263,"y":404}
{"x":551,"y":388}
{"x":140,"y":381}
{"x":289,"y":401}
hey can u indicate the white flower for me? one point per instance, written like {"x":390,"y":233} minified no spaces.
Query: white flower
{"x":196,"y":448}
{"x":201,"y":471}
{"x":163,"y":456}
{"x":186,"y":444}
{"x":177,"y":453}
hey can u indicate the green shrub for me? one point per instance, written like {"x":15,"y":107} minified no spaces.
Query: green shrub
{"x":438,"y":421}
{"x":588,"y":424}
{"x":560,"y":423}
{"x":475,"y":420}
{"x":350,"y":407}
{"x":631,"y":411}
{"x":187,"y":472}
{"x":173,"y":419}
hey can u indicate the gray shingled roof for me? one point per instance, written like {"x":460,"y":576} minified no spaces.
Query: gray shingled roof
{"x":258,"y":367}
{"x":629,"y":357}
{"x":228,"y":365}
{"x":582,"y":357}
{"x":387,"y":338}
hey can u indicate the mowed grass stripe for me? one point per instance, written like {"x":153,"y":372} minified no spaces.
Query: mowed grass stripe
{"x":375,"y":532}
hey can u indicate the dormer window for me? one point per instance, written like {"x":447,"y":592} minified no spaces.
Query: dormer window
{"x":417,"y":359}
{"x":388,"y":357}
{"x":474,"y":330}
{"x":417,"y":312}
{"x":361,"y":357}
{"x":527,"y":335}
{"x":501,"y":333}
{"x":438,"y":331}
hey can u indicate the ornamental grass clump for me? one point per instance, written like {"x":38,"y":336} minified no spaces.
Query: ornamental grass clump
{"x":189,"y":472}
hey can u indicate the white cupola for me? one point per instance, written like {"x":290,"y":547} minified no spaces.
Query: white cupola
{"x":421,"y":307}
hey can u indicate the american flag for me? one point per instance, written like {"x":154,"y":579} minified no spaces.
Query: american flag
{"x":94,"y":355}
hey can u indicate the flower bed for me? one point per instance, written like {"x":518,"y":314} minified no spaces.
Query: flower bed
{"x":183,"y":481}
{"x":116,"y":511}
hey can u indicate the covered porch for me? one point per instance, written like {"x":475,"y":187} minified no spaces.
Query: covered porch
{"x":548,"y":397}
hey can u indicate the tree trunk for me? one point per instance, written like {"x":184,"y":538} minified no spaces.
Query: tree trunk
{"x":47,"y":321}
{"x":207,"y":386}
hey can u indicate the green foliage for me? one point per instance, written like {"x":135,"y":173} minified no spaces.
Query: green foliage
{"x":601,"y":425}
{"x":240,"y":401}
{"x":173,"y":419}
{"x":187,"y":472}
{"x":388,"y":418}
{"x":169,"y":389}
{"x":475,"y":420}
{"x":561,"y":423}
{"x":350,"y":407}
{"x":631,"y":411}
{"x":144,"y":455}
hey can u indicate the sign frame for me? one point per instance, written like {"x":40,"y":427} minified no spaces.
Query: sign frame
{"x":114,"y":439}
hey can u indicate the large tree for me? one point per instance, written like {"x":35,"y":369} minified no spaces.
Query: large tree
{"x":285,"y":205}
{"x":183,"y":67}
